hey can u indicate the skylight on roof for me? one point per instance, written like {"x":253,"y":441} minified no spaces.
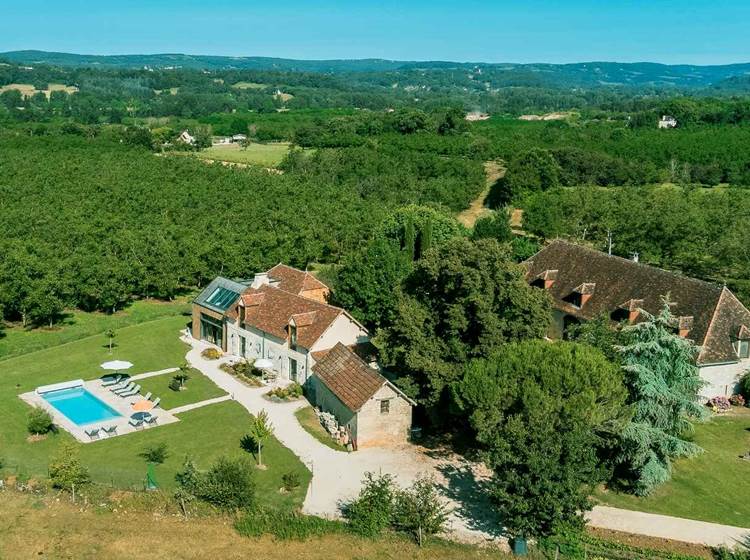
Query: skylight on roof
{"x":222,"y":298}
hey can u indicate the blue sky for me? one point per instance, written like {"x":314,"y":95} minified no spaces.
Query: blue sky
{"x":670,"y":31}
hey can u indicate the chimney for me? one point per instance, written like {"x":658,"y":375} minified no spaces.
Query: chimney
{"x":260,"y":279}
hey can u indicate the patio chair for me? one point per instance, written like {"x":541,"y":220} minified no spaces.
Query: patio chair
{"x":137,"y":424}
{"x":124,"y":389}
{"x":93,"y":434}
{"x":111,"y":380}
{"x":131,"y":393}
{"x":157,"y":401}
{"x":110,"y":431}
{"x":148,"y":396}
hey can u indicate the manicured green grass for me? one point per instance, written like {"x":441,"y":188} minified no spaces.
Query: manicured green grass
{"x":309,"y":421}
{"x":266,"y":155}
{"x":197,"y":388}
{"x":203,"y":434}
{"x":77,"y":324}
{"x":710,"y":487}
{"x":249,"y":85}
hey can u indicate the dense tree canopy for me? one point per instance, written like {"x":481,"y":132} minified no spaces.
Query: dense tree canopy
{"x":463,"y":300}
{"x":543,"y":414}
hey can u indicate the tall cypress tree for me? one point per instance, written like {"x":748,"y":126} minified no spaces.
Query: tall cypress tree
{"x":425,"y":238}
{"x":410,"y":240}
{"x":663,"y":381}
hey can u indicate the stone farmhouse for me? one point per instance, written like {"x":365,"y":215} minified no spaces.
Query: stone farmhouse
{"x":585,"y":283}
{"x":282,"y":315}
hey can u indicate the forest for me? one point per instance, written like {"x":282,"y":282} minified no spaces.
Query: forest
{"x":92,"y":218}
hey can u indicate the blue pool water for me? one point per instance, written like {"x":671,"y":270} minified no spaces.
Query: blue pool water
{"x":80,"y":406}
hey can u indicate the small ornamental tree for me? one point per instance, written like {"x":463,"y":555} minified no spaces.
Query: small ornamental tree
{"x":260,"y":430}
{"x":110,"y":334}
{"x":155,"y":454}
{"x":496,"y":226}
{"x":663,"y":384}
{"x":420,"y":510}
{"x":371,"y":512}
{"x":66,"y":471}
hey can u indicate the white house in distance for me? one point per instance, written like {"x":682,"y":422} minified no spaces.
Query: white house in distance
{"x":584,"y":283}
{"x":282,"y":315}
{"x":667,"y":121}
{"x":186,"y":138}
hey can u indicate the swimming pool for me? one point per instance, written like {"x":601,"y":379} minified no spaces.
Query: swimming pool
{"x":80,"y":406}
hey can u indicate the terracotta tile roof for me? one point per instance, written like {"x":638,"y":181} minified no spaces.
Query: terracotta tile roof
{"x":348,"y":377}
{"x":365,"y":350}
{"x":252,"y":299}
{"x":293,"y":280}
{"x":614,"y":282}
{"x":274,"y":309}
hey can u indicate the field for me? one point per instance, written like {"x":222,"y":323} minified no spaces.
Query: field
{"x":249,"y":85}
{"x":709,"y":487}
{"x":203,"y":434}
{"x":266,"y":155}
{"x":45,"y":528}
{"x":27,"y":90}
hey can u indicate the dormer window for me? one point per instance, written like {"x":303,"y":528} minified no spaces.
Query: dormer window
{"x":580,"y":294}
{"x":742,"y":343}
{"x":293,"y":337}
{"x":684,"y":325}
{"x":545,"y":279}
{"x":627,"y":311}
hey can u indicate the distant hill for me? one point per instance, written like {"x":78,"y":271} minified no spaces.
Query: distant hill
{"x":583,"y":74}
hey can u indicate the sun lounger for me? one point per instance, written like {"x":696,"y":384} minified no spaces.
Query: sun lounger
{"x":133,"y":392}
{"x":137,"y":424}
{"x":150,"y":420}
{"x":148,"y":396}
{"x":124,"y":389}
{"x":157,"y":401}
{"x":111,"y":431}
{"x":112,"y":380}
{"x":93,"y":434}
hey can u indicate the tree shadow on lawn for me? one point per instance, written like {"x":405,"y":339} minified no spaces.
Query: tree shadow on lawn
{"x":472,"y":496}
{"x":247,"y":443}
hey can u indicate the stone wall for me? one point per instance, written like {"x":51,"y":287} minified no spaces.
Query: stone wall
{"x":392,"y":428}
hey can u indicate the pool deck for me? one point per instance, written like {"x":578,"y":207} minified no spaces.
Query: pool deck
{"x":121,"y":405}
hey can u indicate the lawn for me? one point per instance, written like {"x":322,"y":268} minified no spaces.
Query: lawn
{"x":197,"y":388}
{"x":77,"y":324}
{"x":249,"y":85}
{"x":710,"y":487}
{"x":309,"y":421}
{"x":266,"y":155}
{"x":203,"y":434}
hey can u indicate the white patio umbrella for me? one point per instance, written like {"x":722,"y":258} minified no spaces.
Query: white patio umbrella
{"x":263,"y":363}
{"x":116,"y":365}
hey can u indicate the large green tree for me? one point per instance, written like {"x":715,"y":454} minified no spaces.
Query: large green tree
{"x":463,"y":300}
{"x":663,"y":382}
{"x":544,"y":415}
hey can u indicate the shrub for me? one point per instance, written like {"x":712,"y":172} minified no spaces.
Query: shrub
{"x":290,"y":392}
{"x":227,"y":485}
{"x":737,"y":400}
{"x":211,"y":353}
{"x":290,"y":480}
{"x":39,"y":421}
{"x":156,"y":453}
{"x":420,"y":510}
{"x":286,"y":525}
{"x":372,"y":511}
{"x":66,"y":471}
{"x":174,"y":384}
{"x":745,"y":386}
{"x":719,"y":404}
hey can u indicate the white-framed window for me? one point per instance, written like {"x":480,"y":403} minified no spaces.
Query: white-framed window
{"x":742,"y":347}
{"x":385,"y":406}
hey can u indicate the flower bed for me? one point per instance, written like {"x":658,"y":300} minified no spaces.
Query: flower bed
{"x":245,"y":372}
{"x":291,"y":392}
{"x":719,"y":404}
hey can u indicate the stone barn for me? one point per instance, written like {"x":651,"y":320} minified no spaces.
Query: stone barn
{"x":374,"y":410}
